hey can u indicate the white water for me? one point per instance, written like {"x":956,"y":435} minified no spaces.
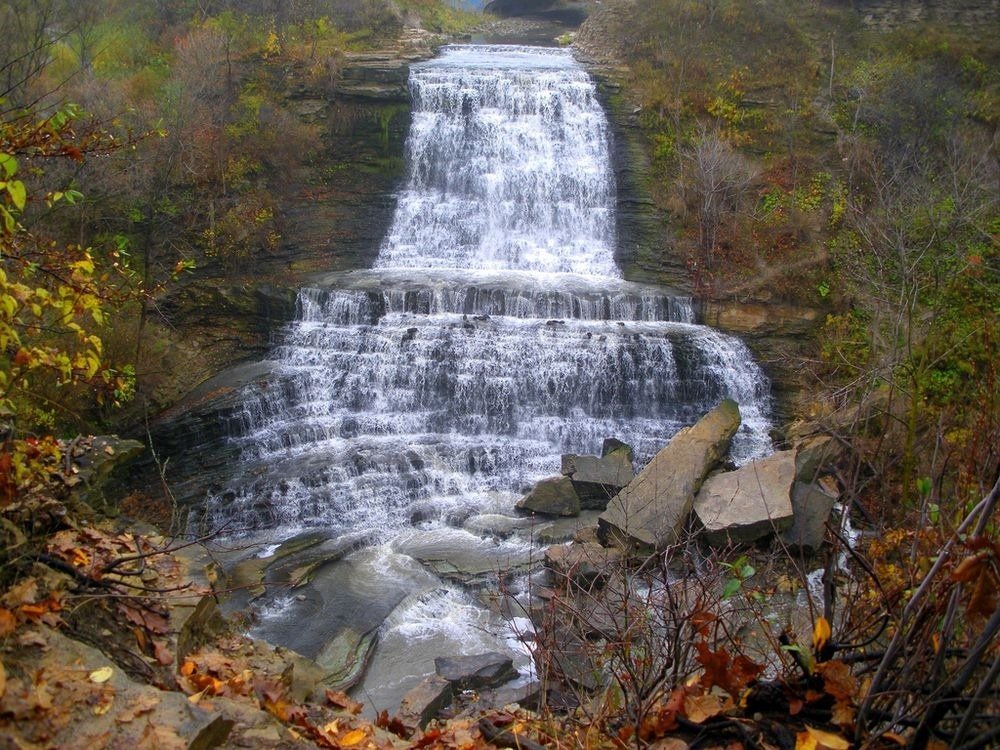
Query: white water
{"x":494,"y":334}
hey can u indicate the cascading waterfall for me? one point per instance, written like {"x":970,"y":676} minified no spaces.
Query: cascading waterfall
{"x":494,"y":334}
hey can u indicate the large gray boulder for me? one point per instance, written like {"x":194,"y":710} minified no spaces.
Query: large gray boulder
{"x":475,"y":672}
{"x":811,"y":505}
{"x":422,"y":703}
{"x":744,"y":505}
{"x":554,"y":497}
{"x":652,"y":509}
{"x":597,"y":480}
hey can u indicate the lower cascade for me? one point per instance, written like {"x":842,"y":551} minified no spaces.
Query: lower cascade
{"x":494,"y":334}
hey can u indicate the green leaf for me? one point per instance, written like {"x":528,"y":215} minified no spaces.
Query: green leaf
{"x":732,"y":586}
{"x":8,"y":220}
{"x":17,"y":193}
{"x":9,"y":165}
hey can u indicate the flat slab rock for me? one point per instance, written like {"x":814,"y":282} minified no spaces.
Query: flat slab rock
{"x":422,"y":703}
{"x":812,"y":505}
{"x":597,"y":479}
{"x":476,"y":672}
{"x":750,"y":503}
{"x":554,"y":496}
{"x":652,"y":510}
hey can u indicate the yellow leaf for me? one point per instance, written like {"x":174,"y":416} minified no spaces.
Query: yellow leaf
{"x":101,"y":675}
{"x":824,"y":740}
{"x":805,"y":741}
{"x":353,"y":738}
{"x":821,"y":634}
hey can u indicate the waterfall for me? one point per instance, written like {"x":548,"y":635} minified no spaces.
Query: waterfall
{"x":494,"y":333}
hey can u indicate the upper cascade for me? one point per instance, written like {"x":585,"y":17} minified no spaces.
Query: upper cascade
{"x":509,"y":166}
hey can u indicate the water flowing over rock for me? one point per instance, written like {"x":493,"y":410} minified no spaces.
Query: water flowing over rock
{"x":494,"y":334}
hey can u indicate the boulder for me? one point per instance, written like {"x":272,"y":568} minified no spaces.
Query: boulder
{"x":528,"y":695}
{"x":422,"y":703}
{"x":597,"y":480}
{"x":813,"y":455}
{"x":581,"y":564}
{"x":744,"y":505}
{"x":811,"y":506}
{"x":652,"y":510}
{"x":487,"y":670}
{"x":555,"y":496}
{"x":613,"y":445}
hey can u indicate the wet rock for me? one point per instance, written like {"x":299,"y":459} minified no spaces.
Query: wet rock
{"x":476,"y":672}
{"x":96,"y":461}
{"x":202,"y":626}
{"x":560,"y":530}
{"x":459,"y":556}
{"x":345,"y":658}
{"x":581,"y":564}
{"x":495,"y":525}
{"x":652,"y":510}
{"x":423,"y":702}
{"x":597,"y":480}
{"x":555,"y":496}
{"x":811,"y":506}
{"x":744,"y":505}
{"x":529,"y":696}
{"x":612,"y":446}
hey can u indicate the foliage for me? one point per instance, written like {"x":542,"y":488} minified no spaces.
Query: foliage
{"x":53,"y":298}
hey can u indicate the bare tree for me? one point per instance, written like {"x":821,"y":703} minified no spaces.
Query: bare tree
{"x":715,"y":181}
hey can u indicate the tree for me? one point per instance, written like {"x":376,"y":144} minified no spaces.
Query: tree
{"x":715,"y":181}
{"x":53,"y":296}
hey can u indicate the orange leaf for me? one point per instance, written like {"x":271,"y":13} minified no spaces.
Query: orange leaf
{"x":967,"y":569}
{"x":353,"y":738}
{"x":340,"y":699}
{"x":7,"y":622}
{"x":188,"y":668}
{"x":817,"y":739}
{"x":838,"y":680}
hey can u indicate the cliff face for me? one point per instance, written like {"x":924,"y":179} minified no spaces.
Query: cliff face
{"x":334,"y":209}
{"x":888,"y":14}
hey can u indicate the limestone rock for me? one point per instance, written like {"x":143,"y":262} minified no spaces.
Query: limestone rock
{"x":744,"y":505}
{"x":495,"y":525}
{"x":423,"y":702}
{"x":597,"y":480}
{"x":581,"y":564}
{"x":814,"y":454}
{"x":475,"y":672}
{"x":652,"y":509}
{"x":812,"y":506}
{"x":612,"y":446}
{"x":555,"y":496}
{"x":528,"y":696}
